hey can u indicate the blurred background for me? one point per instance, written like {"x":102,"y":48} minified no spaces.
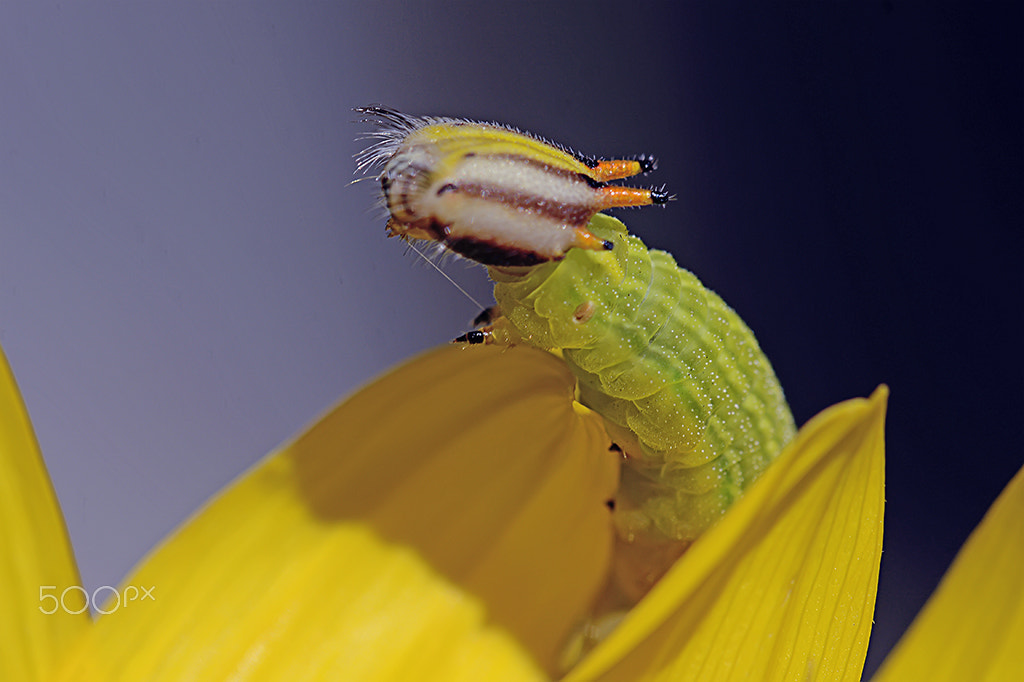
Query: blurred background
{"x":187,"y":276}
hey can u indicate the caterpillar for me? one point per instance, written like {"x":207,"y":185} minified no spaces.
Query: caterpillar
{"x":683,"y":387}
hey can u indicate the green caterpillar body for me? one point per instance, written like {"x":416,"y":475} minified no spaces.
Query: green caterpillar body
{"x":678,"y":377}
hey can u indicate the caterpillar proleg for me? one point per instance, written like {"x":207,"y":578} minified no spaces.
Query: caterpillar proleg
{"x":683,"y":387}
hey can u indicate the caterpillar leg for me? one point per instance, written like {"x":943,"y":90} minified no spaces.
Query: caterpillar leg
{"x":475,"y":337}
{"x":617,"y":169}
{"x":492,"y":328}
{"x":485,"y":324}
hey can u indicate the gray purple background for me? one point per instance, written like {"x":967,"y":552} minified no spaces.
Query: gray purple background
{"x":187,"y":276}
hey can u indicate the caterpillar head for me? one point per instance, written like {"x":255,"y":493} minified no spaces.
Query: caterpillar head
{"x":492,"y":193}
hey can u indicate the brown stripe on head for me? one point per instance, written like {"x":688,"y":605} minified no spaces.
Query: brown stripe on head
{"x":557,"y":211}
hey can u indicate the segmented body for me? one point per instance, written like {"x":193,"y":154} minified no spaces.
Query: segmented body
{"x":679,"y":379}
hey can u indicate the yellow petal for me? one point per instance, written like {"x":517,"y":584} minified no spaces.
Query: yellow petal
{"x":36,"y":561}
{"x":448,"y":522}
{"x":973,"y":626}
{"x":783,"y":588}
